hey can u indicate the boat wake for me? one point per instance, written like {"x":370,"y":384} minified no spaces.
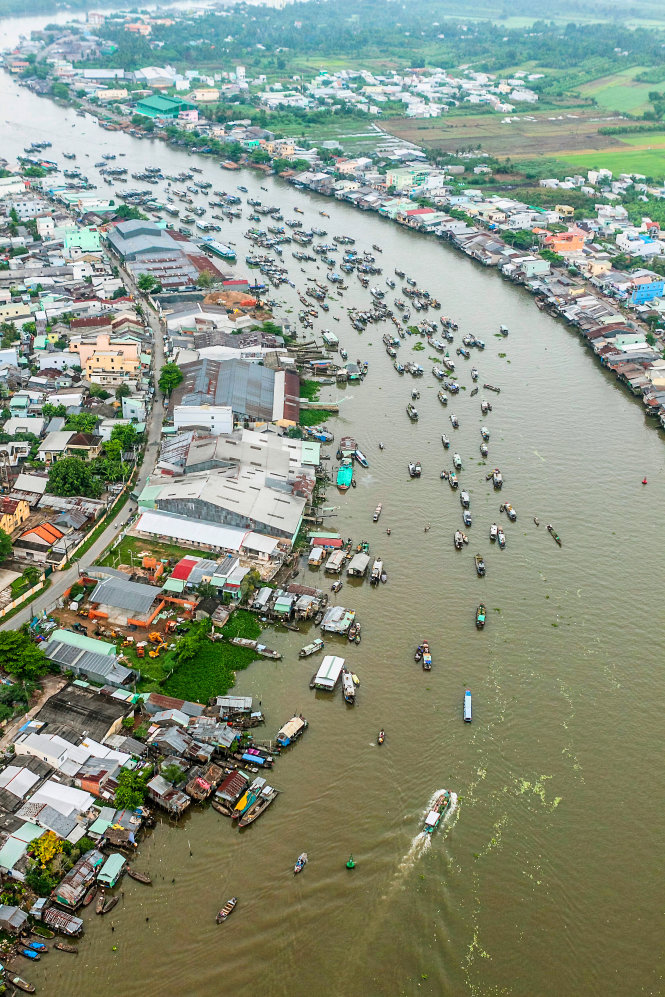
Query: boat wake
{"x":423,"y":841}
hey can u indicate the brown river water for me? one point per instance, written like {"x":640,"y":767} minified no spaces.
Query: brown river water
{"x":544,"y":879}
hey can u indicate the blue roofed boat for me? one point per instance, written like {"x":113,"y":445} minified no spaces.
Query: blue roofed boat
{"x":345,"y":474}
{"x":467,"y":706}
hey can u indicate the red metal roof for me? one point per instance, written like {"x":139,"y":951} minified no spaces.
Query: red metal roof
{"x":183,"y":569}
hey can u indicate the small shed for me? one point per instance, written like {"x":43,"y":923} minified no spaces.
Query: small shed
{"x":335,"y":562}
{"x":316,"y":556}
{"x":112,"y":870}
{"x":328,"y":674}
{"x":12,"y":919}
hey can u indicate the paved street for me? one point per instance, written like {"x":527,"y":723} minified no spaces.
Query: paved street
{"x":61,"y":580}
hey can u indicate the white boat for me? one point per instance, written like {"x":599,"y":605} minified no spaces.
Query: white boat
{"x":348,"y":688}
{"x":493,"y":531}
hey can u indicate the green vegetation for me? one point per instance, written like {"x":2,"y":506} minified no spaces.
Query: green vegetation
{"x":131,"y":789}
{"x":210,"y":672}
{"x":130,"y":551}
{"x":20,"y":657}
{"x":5,"y":545}
{"x":146,"y":282}
{"x":73,"y":476}
{"x":312,"y":417}
{"x":170,"y":377}
{"x":310,"y":390}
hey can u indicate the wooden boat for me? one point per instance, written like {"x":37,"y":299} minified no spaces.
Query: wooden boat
{"x":29,"y":954}
{"x":512,"y":515}
{"x":439,"y":807}
{"x":22,"y":984}
{"x":480,"y":565}
{"x":301,"y":862}
{"x":227,"y":909}
{"x":497,"y":479}
{"x":412,"y":412}
{"x":458,"y":540}
{"x":485,"y":407}
{"x":454,"y":421}
{"x":501,"y":538}
{"x":464,"y":499}
{"x":553,"y":532}
{"x":420,"y":650}
{"x":480,"y":616}
{"x":457,"y":461}
{"x":484,"y":452}
{"x":313,"y":648}
{"x":445,"y":441}
{"x":377,"y":513}
{"x":503,"y":329}
{"x":442,"y":396}
{"x":37,"y":946}
{"x":348,"y":688}
{"x":100,"y":903}
{"x":381,"y":736}
{"x":467,"y":706}
{"x":494,"y":531}
{"x":109,"y":905}
{"x":466,"y":517}
{"x":140,"y":877}
{"x":452,"y":480}
{"x":64,"y":947}
{"x":474,"y":373}
{"x":267,"y":796}
{"x":474,"y":392}
{"x":415,"y":469}
{"x":427,"y":660}
{"x":90,"y":896}
{"x":221,"y":809}
{"x":490,"y":387}
{"x":485,"y":433}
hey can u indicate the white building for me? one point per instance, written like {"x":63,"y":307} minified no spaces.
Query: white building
{"x":218,"y":419}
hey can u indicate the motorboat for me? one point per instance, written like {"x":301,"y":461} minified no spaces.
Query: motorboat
{"x":421,"y":650}
{"x":457,"y":461}
{"x":464,"y":499}
{"x":459,"y":540}
{"x":445,"y":441}
{"x":467,"y":706}
{"x":485,"y":407}
{"x":381,"y":736}
{"x":480,"y":617}
{"x":503,"y":329}
{"x":474,"y":373}
{"x":360,"y":457}
{"x":466,"y":516}
{"x":412,"y":412}
{"x":427,"y":660}
{"x":377,"y":513}
{"x":494,"y":530}
{"x":485,"y":433}
{"x":301,"y":862}
{"x":484,"y":452}
{"x":227,"y":909}
{"x":453,"y":480}
{"x":501,"y":538}
{"x":480,"y":565}
{"x":442,"y":396}
{"x":313,"y":648}
{"x":454,"y":421}
{"x":439,"y":807}
{"x":415,"y":469}
{"x":497,"y":479}
{"x":510,"y":512}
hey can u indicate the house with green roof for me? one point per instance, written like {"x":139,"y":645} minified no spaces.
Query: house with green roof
{"x":85,"y":239}
{"x":160,"y":106}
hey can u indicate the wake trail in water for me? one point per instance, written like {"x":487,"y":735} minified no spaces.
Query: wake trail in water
{"x":422,"y":842}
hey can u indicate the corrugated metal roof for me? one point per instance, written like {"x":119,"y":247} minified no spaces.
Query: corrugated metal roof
{"x":75,"y":640}
{"x":133,"y":597}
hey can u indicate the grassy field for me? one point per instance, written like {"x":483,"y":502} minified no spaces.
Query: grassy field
{"x":130,"y":551}
{"x":649,"y":162}
{"x":534,"y":133}
{"x":620,"y":92}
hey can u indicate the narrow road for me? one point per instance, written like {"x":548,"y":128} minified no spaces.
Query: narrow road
{"x":62,"y":580}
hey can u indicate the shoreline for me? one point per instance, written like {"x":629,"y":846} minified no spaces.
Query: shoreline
{"x":549,"y":302}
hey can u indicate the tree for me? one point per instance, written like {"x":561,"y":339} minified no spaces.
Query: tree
{"x":82,"y":422}
{"x":46,"y":848}
{"x":125,"y":435}
{"x":170,"y":377}
{"x":131,"y":790}
{"x":122,"y":391}
{"x":96,"y":391}
{"x":172,"y":773}
{"x":146,"y":282}
{"x":32,"y":574}
{"x":5,"y":546}
{"x":53,"y":411}
{"x":650,"y":338}
{"x":72,"y":476}
{"x":204,"y":279}
{"x":20,"y":657}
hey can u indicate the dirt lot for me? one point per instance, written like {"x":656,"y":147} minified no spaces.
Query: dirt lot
{"x":545,"y":134}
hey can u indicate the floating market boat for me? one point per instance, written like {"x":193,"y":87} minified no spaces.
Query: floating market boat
{"x":466,"y":516}
{"x":29,"y":954}
{"x":439,"y":808}
{"x":442,"y":396}
{"x":485,"y":433}
{"x":510,"y":512}
{"x":457,"y":461}
{"x":454,"y":421}
{"x":301,"y":862}
{"x":415,"y":469}
{"x":452,"y":480}
{"x":64,"y":947}
{"x":420,"y":650}
{"x":493,"y":531}
{"x":22,"y":984}
{"x":484,"y":452}
{"x":345,"y":474}
{"x":503,"y":329}
{"x":501,"y":538}
{"x":464,"y":499}
{"x":227,"y":909}
{"x":553,"y":532}
{"x":381,"y":736}
{"x":497,"y":479}
{"x":412,"y":412}
{"x":267,"y":796}
{"x":90,"y":895}
{"x":427,"y":660}
{"x":480,"y":616}
{"x":459,"y":540}
{"x":474,"y":373}
{"x":445,"y":441}
{"x":377,"y":513}
{"x":467,"y":706}
{"x":313,"y":648}
{"x":360,"y":457}
{"x":348,"y":687}
{"x":480,"y":565}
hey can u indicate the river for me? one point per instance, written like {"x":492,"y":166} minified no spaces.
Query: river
{"x":543,"y":881}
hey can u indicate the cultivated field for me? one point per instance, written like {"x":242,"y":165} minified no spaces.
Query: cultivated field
{"x":643,"y":153}
{"x":620,"y":92}
{"x":526,"y":135}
